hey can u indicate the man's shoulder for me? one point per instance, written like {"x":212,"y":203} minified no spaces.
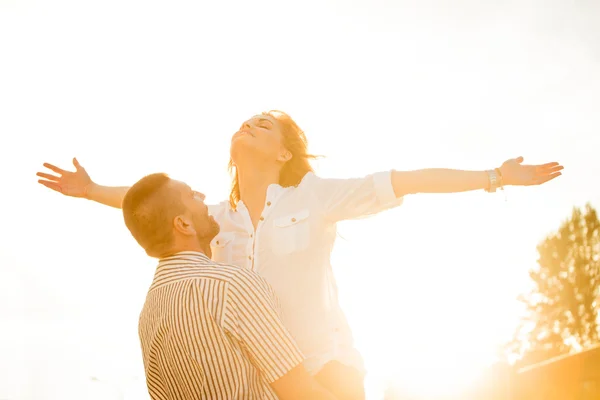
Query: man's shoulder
{"x":239,"y":283}
{"x":225,"y":272}
{"x":242,"y":280}
{"x":242,"y":276}
{"x":215,"y":270}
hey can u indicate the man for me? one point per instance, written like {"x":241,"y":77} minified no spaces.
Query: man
{"x":207,"y":330}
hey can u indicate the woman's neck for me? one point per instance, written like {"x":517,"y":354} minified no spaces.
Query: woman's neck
{"x":253,"y":183}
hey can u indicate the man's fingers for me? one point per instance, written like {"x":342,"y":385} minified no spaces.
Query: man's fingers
{"x":51,"y":185}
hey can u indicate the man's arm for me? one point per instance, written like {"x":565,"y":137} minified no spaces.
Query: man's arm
{"x":251,"y":316}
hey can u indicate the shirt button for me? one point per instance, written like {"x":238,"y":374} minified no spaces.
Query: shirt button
{"x":217,"y":242}
{"x":249,"y":257}
{"x":262,"y":218}
{"x":268,"y":203}
{"x":293,"y":219}
{"x":251,"y":235}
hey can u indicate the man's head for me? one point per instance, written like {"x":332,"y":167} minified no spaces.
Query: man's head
{"x":166,"y":216}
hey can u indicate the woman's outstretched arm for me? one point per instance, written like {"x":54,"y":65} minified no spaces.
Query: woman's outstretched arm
{"x":79,"y":184}
{"x":441,"y":180}
{"x":108,"y":195}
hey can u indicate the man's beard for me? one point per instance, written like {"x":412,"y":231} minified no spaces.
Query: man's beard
{"x":206,"y":235}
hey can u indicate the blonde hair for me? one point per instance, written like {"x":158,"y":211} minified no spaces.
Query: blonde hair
{"x":292,"y":172}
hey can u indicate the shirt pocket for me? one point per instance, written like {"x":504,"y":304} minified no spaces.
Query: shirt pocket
{"x":291,"y":233}
{"x":222,"y":247}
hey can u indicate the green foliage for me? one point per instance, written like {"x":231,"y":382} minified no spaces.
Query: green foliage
{"x":562,"y":308}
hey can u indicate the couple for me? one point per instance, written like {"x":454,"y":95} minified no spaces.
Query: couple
{"x":280,"y":222}
{"x":208,"y":330}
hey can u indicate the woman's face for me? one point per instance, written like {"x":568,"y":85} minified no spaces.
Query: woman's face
{"x":259,"y":139}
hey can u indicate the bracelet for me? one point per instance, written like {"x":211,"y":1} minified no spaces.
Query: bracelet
{"x":501,"y":179}
{"x":493,"y":178}
{"x":496,"y":180}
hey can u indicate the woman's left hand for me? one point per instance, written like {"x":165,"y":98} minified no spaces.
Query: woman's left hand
{"x":517,"y":174}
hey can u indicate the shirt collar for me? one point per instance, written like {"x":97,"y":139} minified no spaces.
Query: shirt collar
{"x":181,"y":260}
{"x":179,"y":264}
{"x":274,"y":191}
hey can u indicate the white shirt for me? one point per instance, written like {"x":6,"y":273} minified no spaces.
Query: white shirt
{"x":291,"y":250}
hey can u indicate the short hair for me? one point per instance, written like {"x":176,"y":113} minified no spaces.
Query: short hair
{"x":149,"y":208}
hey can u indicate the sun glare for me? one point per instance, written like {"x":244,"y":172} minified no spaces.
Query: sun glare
{"x":432,"y":371}
{"x":135,"y":87}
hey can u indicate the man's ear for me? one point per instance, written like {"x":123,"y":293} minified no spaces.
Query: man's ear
{"x":184,"y":225}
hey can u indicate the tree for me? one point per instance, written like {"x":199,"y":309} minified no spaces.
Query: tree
{"x":562,"y":314}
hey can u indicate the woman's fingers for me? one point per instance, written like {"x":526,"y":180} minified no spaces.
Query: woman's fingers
{"x":51,"y":185}
{"x":52,"y":178}
{"x":76,"y":164}
{"x":549,"y":170}
{"x":55,"y":168}
{"x":547,"y":166}
{"x":545,"y":178}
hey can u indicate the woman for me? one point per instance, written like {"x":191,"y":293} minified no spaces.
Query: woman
{"x":280,"y":220}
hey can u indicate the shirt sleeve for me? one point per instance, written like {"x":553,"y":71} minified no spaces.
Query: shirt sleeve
{"x":252,"y":317}
{"x":214,"y":209}
{"x":354,"y":198}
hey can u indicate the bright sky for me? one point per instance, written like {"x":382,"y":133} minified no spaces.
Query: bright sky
{"x":132,"y":87}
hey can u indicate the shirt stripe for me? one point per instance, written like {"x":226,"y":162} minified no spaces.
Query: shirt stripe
{"x":212,"y":331}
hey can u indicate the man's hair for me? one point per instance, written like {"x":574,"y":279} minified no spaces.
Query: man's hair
{"x":149,"y":208}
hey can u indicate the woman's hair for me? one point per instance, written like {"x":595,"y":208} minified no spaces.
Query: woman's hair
{"x":292,"y":172}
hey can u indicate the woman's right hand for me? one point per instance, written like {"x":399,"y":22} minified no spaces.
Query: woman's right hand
{"x":75,"y":184}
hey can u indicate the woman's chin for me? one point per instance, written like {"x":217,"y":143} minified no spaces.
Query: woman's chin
{"x":241,"y":149}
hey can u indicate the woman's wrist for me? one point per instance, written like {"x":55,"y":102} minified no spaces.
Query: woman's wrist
{"x":501,"y":182}
{"x":495,"y":180}
{"x":88,"y":190}
{"x":505,"y":176}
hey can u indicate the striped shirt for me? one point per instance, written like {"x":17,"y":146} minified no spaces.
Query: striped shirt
{"x":212,"y":331}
